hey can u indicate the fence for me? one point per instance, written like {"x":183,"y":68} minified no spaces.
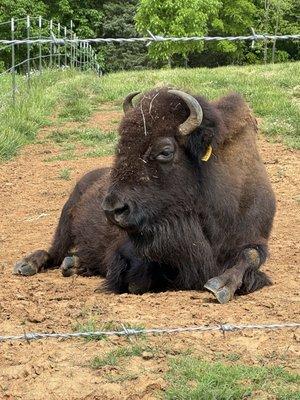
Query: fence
{"x":134,"y":332}
{"x":46,"y":43}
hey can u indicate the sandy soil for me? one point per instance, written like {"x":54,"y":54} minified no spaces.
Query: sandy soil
{"x":31,"y":198}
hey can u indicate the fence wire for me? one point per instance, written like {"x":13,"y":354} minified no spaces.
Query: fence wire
{"x":135,"y":332}
{"x":153,"y":38}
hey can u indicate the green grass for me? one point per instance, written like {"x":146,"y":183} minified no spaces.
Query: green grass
{"x":90,"y":324}
{"x":114,"y":357}
{"x":75,"y":95}
{"x":190,"y":378}
{"x":273,"y":91}
{"x":65,"y":174}
{"x":97,"y":142}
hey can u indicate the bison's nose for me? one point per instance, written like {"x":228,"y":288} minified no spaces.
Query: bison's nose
{"x":115,"y":209}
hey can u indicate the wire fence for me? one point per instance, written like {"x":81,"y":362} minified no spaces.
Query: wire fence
{"x":135,"y":332}
{"x":152,"y":38}
{"x":34,"y":44}
{"x":49,"y":44}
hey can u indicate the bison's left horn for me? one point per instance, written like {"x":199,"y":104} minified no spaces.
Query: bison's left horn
{"x":196,"y":113}
{"x":127,"y":104}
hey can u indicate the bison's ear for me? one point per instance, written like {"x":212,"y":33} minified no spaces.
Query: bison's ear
{"x":127,"y":104}
{"x":196,"y":114}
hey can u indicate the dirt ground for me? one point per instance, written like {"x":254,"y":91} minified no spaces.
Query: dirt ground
{"x":31,"y":197}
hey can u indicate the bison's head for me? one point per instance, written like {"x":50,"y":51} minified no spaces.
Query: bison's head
{"x":157,"y":171}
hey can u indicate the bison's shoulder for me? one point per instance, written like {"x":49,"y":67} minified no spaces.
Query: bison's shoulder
{"x":236,"y":116}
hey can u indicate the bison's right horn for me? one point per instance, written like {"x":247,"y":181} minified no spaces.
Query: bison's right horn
{"x":196,"y":113}
{"x":127,"y":104}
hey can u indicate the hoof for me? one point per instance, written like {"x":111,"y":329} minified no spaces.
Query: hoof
{"x":214,"y":284}
{"x":24,"y":268}
{"x":68,"y":266}
{"x":222,"y":293}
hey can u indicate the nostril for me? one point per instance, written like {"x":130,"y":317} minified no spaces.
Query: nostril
{"x":121,"y":210}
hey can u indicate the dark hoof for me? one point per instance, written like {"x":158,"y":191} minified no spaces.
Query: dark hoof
{"x":222,"y":293}
{"x":68,"y":266}
{"x":24,"y":268}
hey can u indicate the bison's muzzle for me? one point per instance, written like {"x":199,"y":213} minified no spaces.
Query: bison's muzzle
{"x":120,"y":212}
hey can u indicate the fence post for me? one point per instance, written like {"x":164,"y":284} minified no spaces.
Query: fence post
{"x":51,"y":45}
{"x":58,"y":46}
{"x":13,"y":70}
{"x":84,"y":55}
{"x":71,"y":44}
{"x":65,"y":37}
{"x":80,"y":55}
{"x":28,"y":50}
{"x":75,"y":51}
{"x":90,"y":56}
{"x":40,"y":44}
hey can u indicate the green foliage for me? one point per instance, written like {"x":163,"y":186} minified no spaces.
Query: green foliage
{"x":234,"y":18}
{"x":173,"y":18}
{"x":118,"y":21}
{"x":193,"y":379}
{"x":278,"y":17}
{"x":115,"y":18}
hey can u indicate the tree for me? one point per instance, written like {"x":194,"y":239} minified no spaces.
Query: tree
{"x":175,"y":18}
{"x":118,"y":21}
{"x":235,"y":18}
{"x":278,"y":17}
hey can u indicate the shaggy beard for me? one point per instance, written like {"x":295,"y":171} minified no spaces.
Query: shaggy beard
{"x":179,"y":243}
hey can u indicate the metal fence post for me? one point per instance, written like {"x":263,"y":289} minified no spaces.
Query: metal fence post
{"x":84,"y":55}
{"x":40,"y":45}
{"x":80,"y":55}
{"x":90,"y":56}
{"x":71,"y":44}
{"x":65,"y":37}
{"x":75,"y":51}
{"x":51,"y":45}
{"x":58,"y":46}
{"x":13,"y":70}
{"x":83,"y":58}
{"x":28,"y":50}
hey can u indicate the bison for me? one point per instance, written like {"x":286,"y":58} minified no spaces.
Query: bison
{"x":187,"y":203}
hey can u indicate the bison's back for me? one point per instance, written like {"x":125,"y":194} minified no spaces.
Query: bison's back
{"x":237,"y":191}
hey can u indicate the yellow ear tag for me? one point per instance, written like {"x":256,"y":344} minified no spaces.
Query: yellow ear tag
{"x":208,"y":153}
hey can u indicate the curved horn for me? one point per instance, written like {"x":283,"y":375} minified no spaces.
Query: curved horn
{"x":196,"y":113}
{"x":127,"y":104}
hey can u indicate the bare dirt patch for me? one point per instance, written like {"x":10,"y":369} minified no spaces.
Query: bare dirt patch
{"x":31,"y":197}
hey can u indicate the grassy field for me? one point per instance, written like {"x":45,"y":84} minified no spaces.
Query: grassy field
{"x":273,"y":91}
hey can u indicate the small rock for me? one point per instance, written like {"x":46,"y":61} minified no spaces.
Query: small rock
{"x":36,"y":318}
{"x":147,"y":355}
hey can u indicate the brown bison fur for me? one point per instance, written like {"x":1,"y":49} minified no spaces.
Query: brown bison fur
{"x":174,"y":224}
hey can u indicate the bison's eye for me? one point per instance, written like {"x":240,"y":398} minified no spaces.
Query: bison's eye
{"x":165,"y":155}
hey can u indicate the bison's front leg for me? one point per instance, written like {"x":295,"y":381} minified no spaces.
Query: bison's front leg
{"x":244,"y":277}
{"x":33,"y":263}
